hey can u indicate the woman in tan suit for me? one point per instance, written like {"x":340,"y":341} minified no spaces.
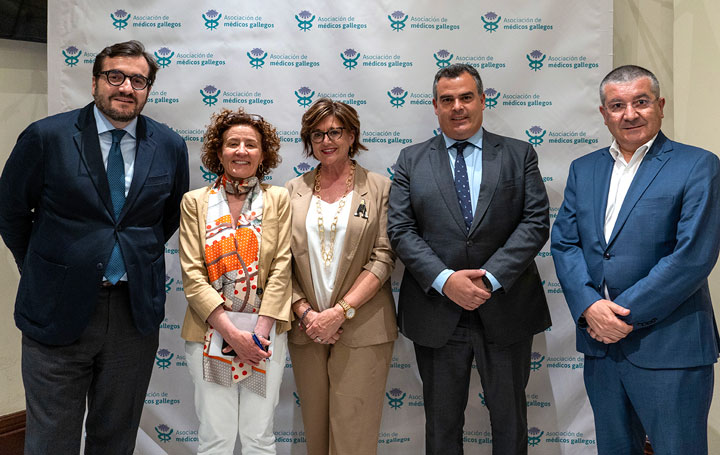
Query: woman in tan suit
{"x":235,"y":258}
{"x":342,"y":340}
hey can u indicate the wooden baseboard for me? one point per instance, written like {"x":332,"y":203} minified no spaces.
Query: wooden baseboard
{"x":12,"y":433}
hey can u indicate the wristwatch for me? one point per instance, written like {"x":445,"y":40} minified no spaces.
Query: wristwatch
{"x":347,"y":309}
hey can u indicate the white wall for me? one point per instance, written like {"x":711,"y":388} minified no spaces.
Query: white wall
{"x":23,"y":98}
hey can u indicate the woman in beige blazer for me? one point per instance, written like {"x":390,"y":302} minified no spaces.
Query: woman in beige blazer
{"x":235,"y":258}
{"x":342,"y":339}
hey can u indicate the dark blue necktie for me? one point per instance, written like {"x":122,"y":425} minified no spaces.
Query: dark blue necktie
{"x":116,"y":179}
{"x":462,"y":187}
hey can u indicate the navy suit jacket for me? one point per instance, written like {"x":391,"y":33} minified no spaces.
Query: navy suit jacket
{"x":656,"y":263}
{"x":56,"y":217}
{"x":428,"y":233}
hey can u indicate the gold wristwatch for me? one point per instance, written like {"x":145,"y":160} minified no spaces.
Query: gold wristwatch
{"x":347,"y":309}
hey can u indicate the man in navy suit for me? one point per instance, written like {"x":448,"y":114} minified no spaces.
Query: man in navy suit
{"x":468,"y":214}
{"x":88,"y":199}
{"x":634,"y":242}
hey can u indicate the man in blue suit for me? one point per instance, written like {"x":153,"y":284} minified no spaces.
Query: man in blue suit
{"x":88,"y":199}
{"x":634,"y":242}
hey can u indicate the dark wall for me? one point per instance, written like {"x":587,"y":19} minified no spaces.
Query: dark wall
{"x":24,"y":20}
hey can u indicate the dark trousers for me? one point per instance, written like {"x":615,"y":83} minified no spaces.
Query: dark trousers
{"x":108,"y":369}
{"x":445,"y":373}
{"x":671,"y":405}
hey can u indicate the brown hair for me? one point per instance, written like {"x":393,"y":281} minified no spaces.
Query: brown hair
{"x":221,"y":122}
{"x":319,"y":111}
{"x":127,"y":49}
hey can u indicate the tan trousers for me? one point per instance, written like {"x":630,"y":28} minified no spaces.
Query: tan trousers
{"x":341,"y":393}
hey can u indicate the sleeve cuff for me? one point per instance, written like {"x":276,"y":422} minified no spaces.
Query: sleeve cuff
{"x":440,"y":280}
{"x":495,"y":283}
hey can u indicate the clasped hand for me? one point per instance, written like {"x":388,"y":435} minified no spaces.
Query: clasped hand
{"x":246,"y":351}
{"x":324,"y":327}
{"x":466,"y":288}
{"x":604,"y":325}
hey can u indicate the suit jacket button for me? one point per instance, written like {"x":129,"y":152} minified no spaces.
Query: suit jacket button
{"x":469,"y":243}
{"x":99,"y":266}
{"x":259,"y":291}
{"x":606,"y":255}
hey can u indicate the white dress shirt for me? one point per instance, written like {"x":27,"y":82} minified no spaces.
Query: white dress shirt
{"x":623,"y":174}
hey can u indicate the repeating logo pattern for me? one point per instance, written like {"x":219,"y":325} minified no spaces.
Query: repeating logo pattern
{"x":163,"y":359}
{"x":302,"y":168}
{"x":304,"y":96}
{"x":535,"y":135}
{"x":163,"y":57}
{"x":208,"y":176}
{"x":395,"y":398}
{"x":168,"y":283}
{"x":72,"y":55}
{"x":397,"y":20}
{"x":443,"y":58}
{"x":305,"y":20}
{"x":120,"y":19}
{"x":212,"y":19}
{"x":491,"y":98}
{"x":257,"y":57}
{"x":391,"y":171}
{"x":350,"y":58}
{"x":164,"y":433}
{"x":210,"y":95}
{"x":536,"y":360}
{"x":534,"y":436}
{"x":397,"y":96}
{"x":490,"y":21}
{"x":535,"y":59}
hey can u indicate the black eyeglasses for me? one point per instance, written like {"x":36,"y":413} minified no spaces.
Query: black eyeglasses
{"x":117,"y":78}
{"x":333,"y":134}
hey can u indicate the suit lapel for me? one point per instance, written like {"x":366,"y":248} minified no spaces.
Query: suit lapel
{"x":440,"y":162}
{"x":88,"y":145}
{"x":491,"y":168}
{"x":301,"y":204}
{"x":601,"y":184}
{"x":355,"y":229}
{"x":144,"y":154}
{"x":651,"y":164}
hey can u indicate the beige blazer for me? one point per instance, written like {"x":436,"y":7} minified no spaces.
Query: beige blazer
{"x":274,"y":267}
{"x":366,"y":247}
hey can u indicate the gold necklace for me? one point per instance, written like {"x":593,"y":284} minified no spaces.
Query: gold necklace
{"x":327,"y":255}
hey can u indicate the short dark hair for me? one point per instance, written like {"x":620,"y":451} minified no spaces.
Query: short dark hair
{"x":456,"y":70}
{"x":628,"y":73}
{"x":223,"y":121}
{"x":321,"y":109}
{"x":130,"y":48}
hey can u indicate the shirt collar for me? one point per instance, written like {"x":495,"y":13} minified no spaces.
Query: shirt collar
{"x":104,"y":125}
{"x":475,"y":139}
{"x":637,"y":156}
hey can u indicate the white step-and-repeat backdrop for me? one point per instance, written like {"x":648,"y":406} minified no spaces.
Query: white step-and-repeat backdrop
{"x":541,"y":63}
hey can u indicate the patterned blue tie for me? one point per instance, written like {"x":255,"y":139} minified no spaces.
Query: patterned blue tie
{"x":462,"y":187}
{"x":116,"y":179}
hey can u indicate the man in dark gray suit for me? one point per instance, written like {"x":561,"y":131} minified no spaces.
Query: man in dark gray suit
{"x":468,"y":214}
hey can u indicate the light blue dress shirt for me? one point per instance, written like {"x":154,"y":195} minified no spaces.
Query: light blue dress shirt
{"x":128,"y":145}
{"x":473,"y":161}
